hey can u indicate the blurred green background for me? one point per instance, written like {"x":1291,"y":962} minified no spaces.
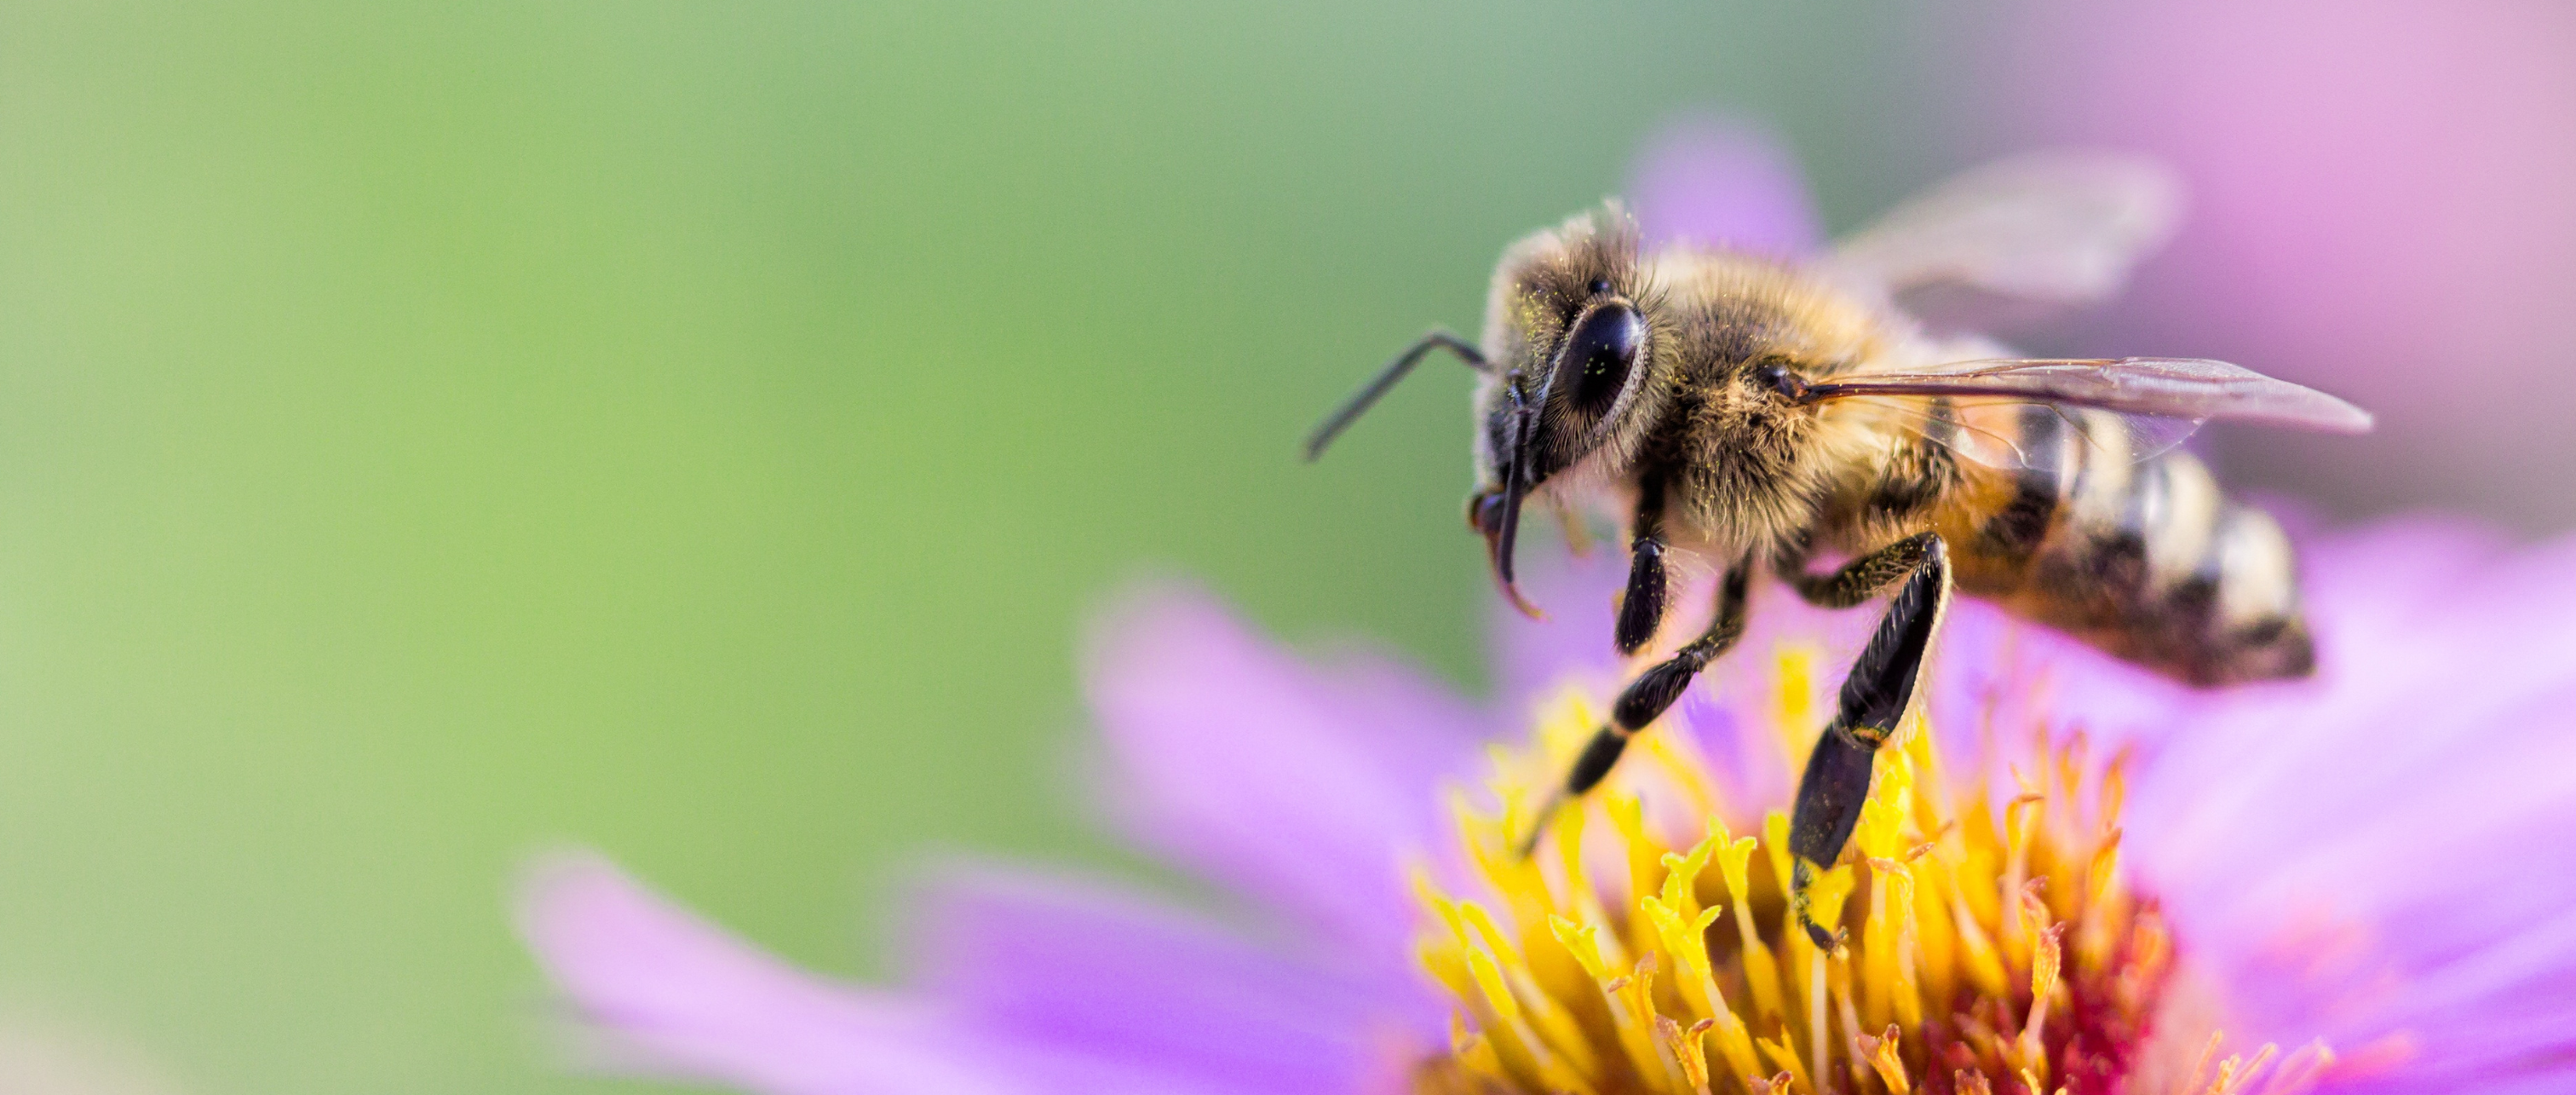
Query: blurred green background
{"x":430,"y":433}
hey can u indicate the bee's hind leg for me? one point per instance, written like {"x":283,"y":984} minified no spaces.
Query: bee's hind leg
{"x":1862,"y":578}
{"x":1645,"y":699}
{"x":1874,"y":700}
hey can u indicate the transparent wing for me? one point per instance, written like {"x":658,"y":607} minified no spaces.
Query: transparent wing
{"x":2154,"y":387}
{"x":1995,"y":432}
{"x":2055,"y":227}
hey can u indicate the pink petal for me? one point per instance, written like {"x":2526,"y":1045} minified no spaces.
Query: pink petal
{"x":1533,"y":659}
{"x":1070,"y":964}
{"x":2364,"y":853}
{"x":1299,"y":785}
{"x":674,"y":995}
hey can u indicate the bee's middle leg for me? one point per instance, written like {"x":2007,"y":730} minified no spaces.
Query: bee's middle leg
{"x":1646,"y":698}
{"x":1874,"y":700}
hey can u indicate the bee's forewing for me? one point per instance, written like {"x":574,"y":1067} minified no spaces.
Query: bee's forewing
{"x":2156,"y":387}
{"x":2053,"y":227}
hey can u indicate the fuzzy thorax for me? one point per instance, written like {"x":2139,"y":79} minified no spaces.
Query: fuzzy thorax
{"x":1994,"y":943}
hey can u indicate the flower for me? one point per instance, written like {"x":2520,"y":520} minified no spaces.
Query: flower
{"x":2360,"y":861}
{"x":1629,"y":969}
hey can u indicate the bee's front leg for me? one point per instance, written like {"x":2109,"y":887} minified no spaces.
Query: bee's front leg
{"x":1641,"y":609}
{"x":1645,"y":698}
{"x":1874,"y":700}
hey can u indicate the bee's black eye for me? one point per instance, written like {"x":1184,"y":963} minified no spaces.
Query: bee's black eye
{"x":1598,"y":286}
{"x":1598,"y":356}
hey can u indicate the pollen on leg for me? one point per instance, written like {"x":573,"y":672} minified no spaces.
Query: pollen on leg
{"x":1992,"y":941}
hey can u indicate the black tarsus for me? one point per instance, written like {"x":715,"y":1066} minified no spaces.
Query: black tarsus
{"x":1360,"y":401}
{"x":1641,"y":609}
{"x":1873,"y":701}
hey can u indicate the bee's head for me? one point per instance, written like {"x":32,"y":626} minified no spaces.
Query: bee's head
{"x":1571,"y":332}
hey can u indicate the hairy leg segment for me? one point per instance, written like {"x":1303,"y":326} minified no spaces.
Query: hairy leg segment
{"x":1862,"y":578}
{"x":1641,"y":608}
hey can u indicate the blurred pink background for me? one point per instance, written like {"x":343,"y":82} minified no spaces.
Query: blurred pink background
{"x":2383,"y":205}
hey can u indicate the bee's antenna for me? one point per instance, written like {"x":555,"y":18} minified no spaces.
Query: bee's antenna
{"x":1360,"y":401}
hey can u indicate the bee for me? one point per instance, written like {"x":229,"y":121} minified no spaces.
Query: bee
{"x":1767,"y":416}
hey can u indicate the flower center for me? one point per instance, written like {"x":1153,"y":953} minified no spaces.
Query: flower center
{"x":1994,"y":945}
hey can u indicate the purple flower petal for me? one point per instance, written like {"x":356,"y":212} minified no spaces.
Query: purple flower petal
{"x":1294,"y":784}
{"x":1077,"y":966}
{"x":1533,"y":659}
{"x":683,"y":998}
{"x":2387,"y":812}
{"x":1724,"y":181}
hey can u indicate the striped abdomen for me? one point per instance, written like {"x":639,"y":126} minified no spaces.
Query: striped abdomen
{"x":2146,"y":559}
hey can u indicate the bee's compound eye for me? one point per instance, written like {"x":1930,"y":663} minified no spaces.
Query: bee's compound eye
{"x":1599,"y":355}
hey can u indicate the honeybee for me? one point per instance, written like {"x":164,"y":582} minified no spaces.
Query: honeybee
{"x":1760,"y":414}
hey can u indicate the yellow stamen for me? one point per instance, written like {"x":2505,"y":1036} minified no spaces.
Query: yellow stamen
{"x":1786,"y":1059}
{"x":2043,"y":988}
{"x":1994,"y":941}
{"x":1883,"y":1059}
{"x":1686,"y":1050}
{"x":1795,"y":709}
{"x":1761,"y":972}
